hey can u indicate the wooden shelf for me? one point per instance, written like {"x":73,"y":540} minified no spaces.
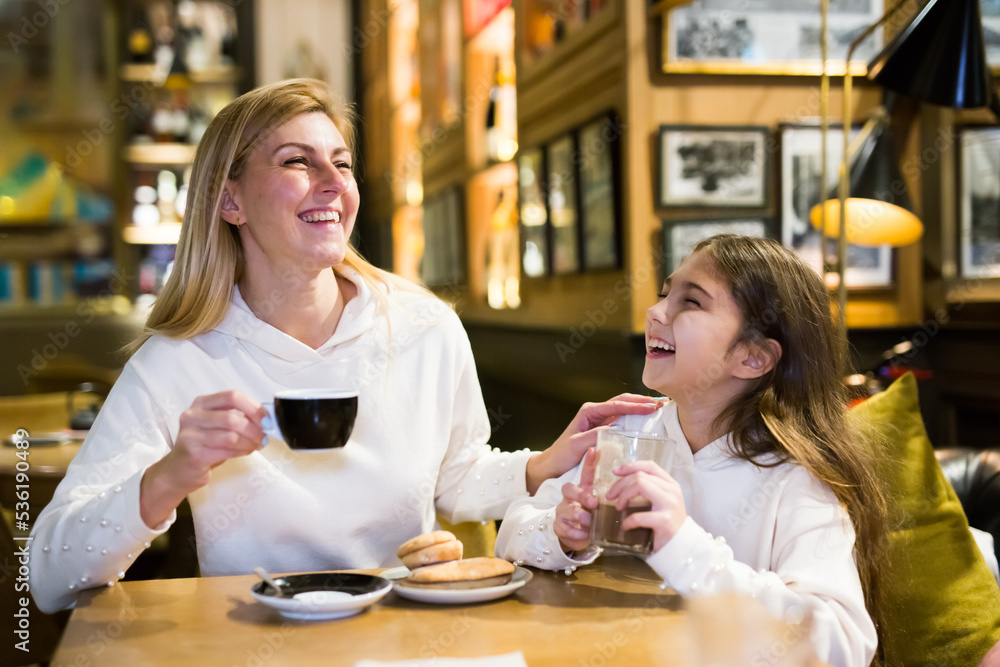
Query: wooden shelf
{"x":101,"y":306}
{"x":43,"y":224}
{"x":159,"y":154}
{"x":165,"y":233}
{"x":148,"y":74}
{"x":534,"y":67}
{"x":24,"y":242}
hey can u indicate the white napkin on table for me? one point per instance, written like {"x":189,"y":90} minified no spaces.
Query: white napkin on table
{"x":506,"y":660}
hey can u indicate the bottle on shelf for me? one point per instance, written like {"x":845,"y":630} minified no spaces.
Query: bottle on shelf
{"x":502,"y":261}
{"x":501,"y":116}
{"x":493,"y":117}
{"x":162,"y":122}
{"x":508,"y":114}
{"x":140,"y":40}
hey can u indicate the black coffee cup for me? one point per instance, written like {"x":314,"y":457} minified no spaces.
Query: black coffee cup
{"x":312,"y":419}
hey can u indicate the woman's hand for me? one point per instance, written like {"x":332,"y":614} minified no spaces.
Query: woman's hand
{"x":581,"y":434}
{"x":216,"y":427}
{"x":572,"y":524}
{"x":645,"y":479}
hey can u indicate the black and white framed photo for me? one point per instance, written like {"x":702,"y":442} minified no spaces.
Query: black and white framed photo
{"x":801,"y":189}
{"x":443,"y":261}
{"x":598,"y":160}
{"x":979,"y":215}
{"x":563,"y":197}
{"x":767,"y":36}
{"x":681,"y":236}
{"x":708,"y":165}
{"x":534,"y":218}
{"x":990,"y":10}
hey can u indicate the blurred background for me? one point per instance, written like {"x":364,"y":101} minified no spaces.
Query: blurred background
{"x":540,"y":164}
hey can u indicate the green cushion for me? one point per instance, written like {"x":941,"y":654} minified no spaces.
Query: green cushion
{"x":478,"y":538}
{"x":942,"y":602}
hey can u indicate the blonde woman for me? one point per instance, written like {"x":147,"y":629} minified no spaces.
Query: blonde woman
{"x":267,"y":294}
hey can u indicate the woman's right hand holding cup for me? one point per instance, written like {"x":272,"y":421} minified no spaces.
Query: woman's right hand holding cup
{"x":216,"y":428}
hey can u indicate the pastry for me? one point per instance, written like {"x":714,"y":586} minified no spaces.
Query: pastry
{"x":439,"y":546}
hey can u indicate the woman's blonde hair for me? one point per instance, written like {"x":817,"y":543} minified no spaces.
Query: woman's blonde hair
{"x":798,"y":410}
{"x":209,"y":259}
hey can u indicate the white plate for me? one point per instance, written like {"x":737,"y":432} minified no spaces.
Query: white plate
{"x":322,"y":595}
{"x":42,"y":439}
{"x":520,"y":577}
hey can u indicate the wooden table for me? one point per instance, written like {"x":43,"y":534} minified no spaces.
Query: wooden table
{"x":46,"y":467}
{"x":610,"y":613}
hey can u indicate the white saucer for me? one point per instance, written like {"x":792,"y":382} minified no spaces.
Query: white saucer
{"x":322,"y":596}
{"x":520,"y":577}
{"x":42,"y":439}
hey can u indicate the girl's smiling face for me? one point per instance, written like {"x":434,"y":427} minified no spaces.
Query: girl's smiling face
{"x":296,"y":201}
{"x":690,"y":335}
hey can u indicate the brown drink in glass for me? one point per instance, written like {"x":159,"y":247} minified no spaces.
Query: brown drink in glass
{"x":614,"y":448}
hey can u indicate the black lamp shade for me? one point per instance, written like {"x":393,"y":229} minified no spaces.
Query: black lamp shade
{"x":875,"y":173}
{"x":940,"y":58}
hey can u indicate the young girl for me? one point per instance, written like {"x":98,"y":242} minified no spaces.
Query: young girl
{"x":768,"y":489}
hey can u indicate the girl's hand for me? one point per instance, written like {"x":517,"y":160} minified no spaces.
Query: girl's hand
{"x":645,"y":479}
{"x":572,"y":524}
{"x":216,"y":428}
{"x":581,"y":434}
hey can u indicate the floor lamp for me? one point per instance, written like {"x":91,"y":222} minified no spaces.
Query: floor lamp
{"x":940,"y":58}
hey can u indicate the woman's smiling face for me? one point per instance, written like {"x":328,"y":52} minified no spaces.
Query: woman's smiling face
{"x":296,"y":201}
{"x":690,"y":334}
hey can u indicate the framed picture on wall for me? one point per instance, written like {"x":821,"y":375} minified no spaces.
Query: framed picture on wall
{"x":990,"y":10}
{"x":801,"y":189}
{"x":708,"y":165}
{"x":563,"y":208}
{"x":766,"y":36}
{"x":979,"y":202}
{"x":598,"y":160}
{"x":681,"y":236}
{"x":534,"y":214}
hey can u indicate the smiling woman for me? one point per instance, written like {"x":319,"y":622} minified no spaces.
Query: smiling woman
{"x":268,"y":295}
{"x":294,"y":206}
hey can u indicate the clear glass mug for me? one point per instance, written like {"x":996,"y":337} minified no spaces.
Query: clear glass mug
{"x":616,"y":446}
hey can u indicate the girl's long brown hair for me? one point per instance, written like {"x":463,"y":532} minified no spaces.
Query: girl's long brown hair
{"x":798,"y":410}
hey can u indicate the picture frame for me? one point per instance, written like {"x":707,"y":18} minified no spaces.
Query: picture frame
{"x":801,"y":190}
{"x":990,"y":11}
{"x":443,"y":261}
{"x":979,"y":202}
{"x":681,"y":236}
{"x":563,"y":204}
{"x":714,"y":166}
{"x":600,"y":220}
{"x":766,"y":37}
{"x":534,"y":213}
